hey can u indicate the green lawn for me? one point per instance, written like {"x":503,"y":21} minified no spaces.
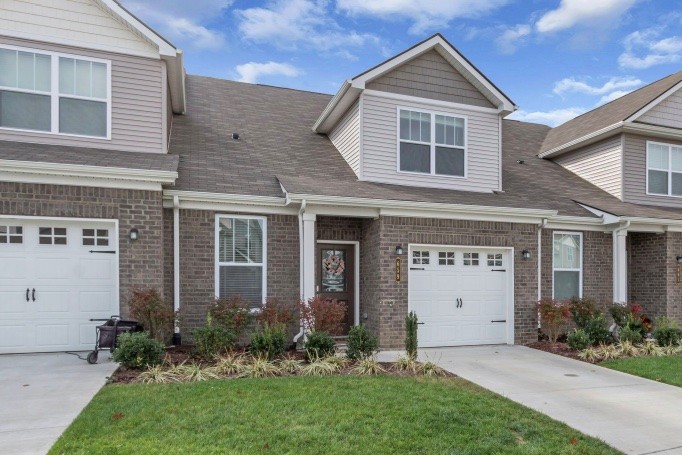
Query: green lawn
{"x":303,"y":415}
{"x":666,"y":369}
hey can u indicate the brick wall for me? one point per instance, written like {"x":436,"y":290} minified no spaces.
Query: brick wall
{"x":197,"y":256}
{"x":370,"y":275}
{"x":647,"y":277}
{"x":597,"y":265}
{"x":403,"y":231}
{"x":140,"y":262}
{"x":674,"y":289}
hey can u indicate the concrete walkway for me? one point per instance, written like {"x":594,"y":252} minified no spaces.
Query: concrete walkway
{"x":632,"y":414}
{"x":41,"y":394}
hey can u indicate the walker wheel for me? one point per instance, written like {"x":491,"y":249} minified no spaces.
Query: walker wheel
{"x":92,"y":357}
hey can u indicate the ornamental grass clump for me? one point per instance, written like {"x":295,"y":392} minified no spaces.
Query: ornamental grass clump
{"x":194,"y":372}
{"x":652,"y":349}
{"x":553,"y":317}
{"x":260,"y":367}
{"x":590,"y":354}
{"x":406,"y":363}
{"x":368,"y":367}
{"x":230,"y":364}
{"x":629,"y":349}
{"x":432,"y":369}
{"x":158,"y":374}
{"x":290,"y":365}
{"x":320,"y":367}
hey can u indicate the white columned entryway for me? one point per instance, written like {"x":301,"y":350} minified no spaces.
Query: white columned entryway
{"x":620,"y":265}
{"x":308,"y":260}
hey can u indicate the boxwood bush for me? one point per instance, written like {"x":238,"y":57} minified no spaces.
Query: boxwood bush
{"x":578,"y":340}
{"x":319,"y":345}
{"x":138,"y":350}
{"x":270,"y":341}
{"x":362,"y":343}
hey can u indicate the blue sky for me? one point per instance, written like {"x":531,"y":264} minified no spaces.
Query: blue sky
{"x":554,"y":58}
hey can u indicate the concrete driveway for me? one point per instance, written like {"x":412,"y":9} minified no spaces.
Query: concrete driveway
{"x":632,"y":414}
{"x":41,"y":394}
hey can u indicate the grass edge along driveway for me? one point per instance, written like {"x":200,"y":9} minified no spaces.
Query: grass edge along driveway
{"x":312,"y":415}
{"x":666,"y":369}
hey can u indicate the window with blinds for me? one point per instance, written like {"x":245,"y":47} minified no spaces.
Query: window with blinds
{"x":241,"y":258}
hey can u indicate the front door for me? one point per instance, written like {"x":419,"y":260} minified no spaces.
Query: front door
{"x":335,"y":277}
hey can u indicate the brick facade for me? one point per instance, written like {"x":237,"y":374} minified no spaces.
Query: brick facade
{"x":597,"y":265}
{"x":140,"y":262}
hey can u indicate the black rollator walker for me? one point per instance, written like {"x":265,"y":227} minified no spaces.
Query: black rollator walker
{"x":107,"y":334}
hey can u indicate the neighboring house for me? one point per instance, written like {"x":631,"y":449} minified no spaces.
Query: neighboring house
{"x":118,"y":172}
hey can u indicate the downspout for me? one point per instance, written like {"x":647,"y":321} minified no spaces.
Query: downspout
{"x":176,"y":269}
{"x":541,"y":226}
{"x":301,"y":332}
{"x":619,"y":261}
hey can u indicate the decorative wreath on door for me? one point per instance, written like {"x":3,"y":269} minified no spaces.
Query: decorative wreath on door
{"x":334,"y":265}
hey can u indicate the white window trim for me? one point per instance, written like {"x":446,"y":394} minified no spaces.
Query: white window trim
{"x":217,"y":262}
{"x":580,"y":271}
{"x":432,"y":144}
{"x":669,"y":170}
{"x":54,"y":92}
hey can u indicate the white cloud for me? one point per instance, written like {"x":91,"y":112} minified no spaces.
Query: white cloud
{"x":612,"y":96}
{"x":551,"y":118}
{"x":252,"y":71}
{"x":583,"y":12}
{"x":300,"y":23}
{"x":181,"y":21}
{"x":425,"y":14}
{"x":570,"y":84}
{"x":644,"y":49}
{"x":509,"y":40}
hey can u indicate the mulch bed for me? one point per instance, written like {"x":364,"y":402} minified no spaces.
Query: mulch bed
{"x":558,"y":348}
{"x":176,"y":355}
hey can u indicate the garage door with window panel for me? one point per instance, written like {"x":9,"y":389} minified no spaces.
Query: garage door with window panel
{"x":55,"y":275}
{"x":462,"y":296}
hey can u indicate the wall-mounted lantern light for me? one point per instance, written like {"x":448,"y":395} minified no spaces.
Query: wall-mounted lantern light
{"x":134,"y":234}
{"x":525,"y":254}
{"x":679,"y":259}
{"x":399,"y":250}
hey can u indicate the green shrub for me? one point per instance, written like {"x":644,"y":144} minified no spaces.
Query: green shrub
{"x":582,"y":310}
{"x":666,"y":332}
{"x":630,"y":334}
{"x":578,"y":340}
{"x":138,"y":350}
{"x":319,"y":345}
{"x":597,"y":328}
{"x":269,"y":342}
{"x":232,"y":313}
{"x":212,"y":340}
{"x":362,"y":343}
{"x":411,"y":324}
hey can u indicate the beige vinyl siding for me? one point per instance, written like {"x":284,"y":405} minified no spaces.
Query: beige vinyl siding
{"x":380,"y":146}
{"x":667,"y":113}
{"x":137,"y":103}
{"x":346,"y":137}
{"x":71,"y":22}
{"x":634,"y":173}
{"x":430,"y":76}
{"x":599,"y":163}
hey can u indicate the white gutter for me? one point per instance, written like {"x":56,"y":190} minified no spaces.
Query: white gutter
{"x":540,"y":228}
{"x":176,"y":268}
{"x":301,"y":332}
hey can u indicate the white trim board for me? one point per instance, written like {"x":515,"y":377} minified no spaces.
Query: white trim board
{"x":356,"y":275}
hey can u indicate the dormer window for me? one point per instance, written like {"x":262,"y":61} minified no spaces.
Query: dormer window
{"x":431,"y":143}
{"x":54,"y":93}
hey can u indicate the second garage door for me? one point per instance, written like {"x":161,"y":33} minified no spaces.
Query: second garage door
{"x":462,"y":296}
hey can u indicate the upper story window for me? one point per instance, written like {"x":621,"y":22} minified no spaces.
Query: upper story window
{"x":431,"y":143}
{"x":664,"y":169}
{"x":54,"y":93}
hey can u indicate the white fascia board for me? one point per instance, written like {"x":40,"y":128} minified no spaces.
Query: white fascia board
{"x":40,"y":170}
{"x":438,"y":103}
{"x":337,"y":106}
{"x":176,"y":82}
{"x":652,"y":130}
{"x":655,"y":102}
{"x":228,"y":202}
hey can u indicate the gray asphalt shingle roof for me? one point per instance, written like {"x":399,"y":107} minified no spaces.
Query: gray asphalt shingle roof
{"x":60,"y":154}
{"x":608,"y":114}
{"x":277,"y":145}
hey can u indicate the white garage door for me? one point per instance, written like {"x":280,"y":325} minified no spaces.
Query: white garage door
{"x":462,"y":296}
{"x":54,"y":276}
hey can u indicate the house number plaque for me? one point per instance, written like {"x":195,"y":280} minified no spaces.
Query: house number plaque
{"x":397,"y":270}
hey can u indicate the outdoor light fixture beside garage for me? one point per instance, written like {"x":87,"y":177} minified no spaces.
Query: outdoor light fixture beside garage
{"x":399,"y":250}
{"x":134,"y":234}
{"x":525,"y":254}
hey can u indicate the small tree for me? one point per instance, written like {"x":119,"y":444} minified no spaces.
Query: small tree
{"x":411,"y":323}
{"x":153,"y":312}
{"x":553,"y":317}
{"x":274,"y":312}
{"x":323,"y":315}
{"x":231,"y":313}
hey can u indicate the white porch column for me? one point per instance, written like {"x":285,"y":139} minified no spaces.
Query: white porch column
{"x":620,"y":264}
{"x":308,"y":259}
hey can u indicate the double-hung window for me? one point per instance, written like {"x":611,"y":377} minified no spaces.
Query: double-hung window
{"x":664,"y":169}
{"x":567,"y":265}
{"x":431,"y":143}
{"x":241,"y":258}
{"x":54,"y":93}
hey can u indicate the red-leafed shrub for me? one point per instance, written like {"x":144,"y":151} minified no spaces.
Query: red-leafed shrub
{"x":323,"y":315}
{"x":275,"y":312}
{"x":553,"y":317}
{"x":153,"y":312}
{"x":232,"y":313}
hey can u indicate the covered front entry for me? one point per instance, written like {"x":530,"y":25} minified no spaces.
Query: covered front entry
{"x":55,"y":275}
{"x":336,"y":277}
{"x":462,"y":296}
